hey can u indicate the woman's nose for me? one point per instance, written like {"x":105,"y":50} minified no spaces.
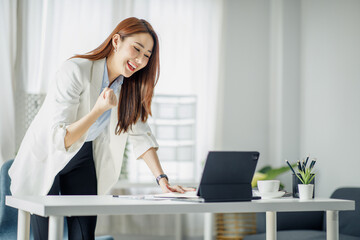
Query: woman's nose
{"x":139,"y":59}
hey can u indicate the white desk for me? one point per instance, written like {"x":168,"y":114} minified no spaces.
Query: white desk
{"x":55,"y":207}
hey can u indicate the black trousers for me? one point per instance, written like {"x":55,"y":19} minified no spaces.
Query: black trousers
{"x":77,"y":178}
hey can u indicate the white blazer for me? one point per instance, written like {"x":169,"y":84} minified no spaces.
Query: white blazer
{"x":42,"y":154}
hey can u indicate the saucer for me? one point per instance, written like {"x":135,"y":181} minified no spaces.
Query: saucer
{"x":271,"y":195}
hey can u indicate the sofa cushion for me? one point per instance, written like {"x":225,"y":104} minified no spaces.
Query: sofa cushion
{"x":349,"y":220}
{"x":292,"y":221}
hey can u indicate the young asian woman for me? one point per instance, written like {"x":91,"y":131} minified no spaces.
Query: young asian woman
{"x":98,"y":101}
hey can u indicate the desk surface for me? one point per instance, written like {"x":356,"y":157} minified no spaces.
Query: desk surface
{"x":109,"y":205}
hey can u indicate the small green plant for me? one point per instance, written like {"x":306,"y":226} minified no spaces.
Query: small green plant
{"x":305,"y":173}
{"x":269,"y":173}
{"x":306,"y":176}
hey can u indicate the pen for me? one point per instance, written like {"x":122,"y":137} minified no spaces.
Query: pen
{"x":303,"y":165}
{"x":129,"y":197}
{"x":299,"y":165}
{"x":306,"y":161}
{"x":198,"y":200}
{"x":312,"y":163}
{"x":290,"y":166}
{"x":300,"y":170}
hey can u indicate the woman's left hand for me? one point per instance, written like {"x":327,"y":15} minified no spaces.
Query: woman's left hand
{"x":166,"y":187}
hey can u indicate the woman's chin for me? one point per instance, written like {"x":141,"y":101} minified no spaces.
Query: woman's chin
{"x":128,"y":73}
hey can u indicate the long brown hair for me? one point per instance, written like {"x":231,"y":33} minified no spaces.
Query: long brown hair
{"x":137,"y":90}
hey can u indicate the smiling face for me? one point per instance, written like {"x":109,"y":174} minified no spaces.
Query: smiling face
{"x":130,"y":54}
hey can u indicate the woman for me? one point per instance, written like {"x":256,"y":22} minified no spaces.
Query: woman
{"x":76,"y":142}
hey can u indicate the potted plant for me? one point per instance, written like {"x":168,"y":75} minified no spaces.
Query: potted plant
{"x":305,"y":175}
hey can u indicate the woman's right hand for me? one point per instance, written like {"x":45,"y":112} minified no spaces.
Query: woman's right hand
{"x":74,"y":131}
{"x":105,"y":101}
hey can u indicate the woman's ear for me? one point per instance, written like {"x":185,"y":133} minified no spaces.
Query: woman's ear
{"x":116,"y":41}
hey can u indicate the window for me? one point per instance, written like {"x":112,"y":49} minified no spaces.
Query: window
{"x":26,"y":108}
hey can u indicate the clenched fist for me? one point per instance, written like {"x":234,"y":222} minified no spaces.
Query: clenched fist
{"x":106,"y":100}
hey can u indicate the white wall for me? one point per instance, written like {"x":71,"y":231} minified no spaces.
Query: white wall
{"x":244,"y":77}
{"x":330,"y":90}
{"x":290,"y":85}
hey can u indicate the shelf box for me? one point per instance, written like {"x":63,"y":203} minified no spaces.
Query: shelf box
{"x":165,"y":111}
{"x":185,"y":153}
{"x":174,"y":111}
{"x":186,"y":111}
{"x":186,"y":132}
{"x":180,"y":153}
{"x":174,"y":132}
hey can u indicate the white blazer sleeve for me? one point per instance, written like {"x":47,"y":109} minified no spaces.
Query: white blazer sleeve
{"x":142,"y":138}
{"x":66,"y":92}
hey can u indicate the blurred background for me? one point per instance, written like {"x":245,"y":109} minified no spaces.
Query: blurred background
{"x":281,"y":77}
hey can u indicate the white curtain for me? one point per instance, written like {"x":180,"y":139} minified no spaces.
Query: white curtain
{"x":189,"y":33}
{"x":7,"y":75}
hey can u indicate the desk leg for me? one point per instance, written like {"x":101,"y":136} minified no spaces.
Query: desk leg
{"x":332,"y":225}
{"x":178,"y":226}
{"x":56,"y":227}
{"x":270,"y":225}
{"x":23,"y":232}
{"x":208,"y":226}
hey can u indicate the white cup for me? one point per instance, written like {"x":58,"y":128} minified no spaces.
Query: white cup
{"x":268,"y":186}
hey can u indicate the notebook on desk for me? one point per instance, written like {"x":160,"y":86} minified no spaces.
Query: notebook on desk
{"x":226,"y":177}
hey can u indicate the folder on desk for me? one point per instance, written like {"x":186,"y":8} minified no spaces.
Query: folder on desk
{"x":186,"y":195}
{"x":227,"y":176}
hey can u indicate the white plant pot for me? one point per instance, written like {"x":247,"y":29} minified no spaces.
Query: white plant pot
{"x":306,"y":191}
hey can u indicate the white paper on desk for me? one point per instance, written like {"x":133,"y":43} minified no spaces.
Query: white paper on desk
{"x":186,"y":195}
{"x":256,"y":193}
